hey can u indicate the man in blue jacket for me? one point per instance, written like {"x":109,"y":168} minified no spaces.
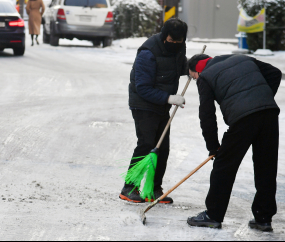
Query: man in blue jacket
{"x":160,"y":62}
{"x":244,"y":88}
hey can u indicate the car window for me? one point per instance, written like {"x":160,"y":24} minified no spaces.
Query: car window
{"x":79,"y":3}
{"x":87,"y":3}
{"x":98,"y":3}
{"x":7,"y":7}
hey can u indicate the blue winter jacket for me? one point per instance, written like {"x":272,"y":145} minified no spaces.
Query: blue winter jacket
{"x":145,"y":73}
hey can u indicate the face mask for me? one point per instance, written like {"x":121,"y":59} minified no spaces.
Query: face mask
{"x":173,"y":47}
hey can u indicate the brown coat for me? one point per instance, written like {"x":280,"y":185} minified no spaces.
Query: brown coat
{"x":35,"y":10}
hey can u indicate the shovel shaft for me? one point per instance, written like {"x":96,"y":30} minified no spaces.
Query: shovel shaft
{"x":175,"y":110}
{"x":178,"y":184}
{"x":167,"y":127}
{"x":186,"y":178}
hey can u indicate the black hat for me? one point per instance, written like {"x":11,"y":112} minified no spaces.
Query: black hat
{"x":176,"y":28}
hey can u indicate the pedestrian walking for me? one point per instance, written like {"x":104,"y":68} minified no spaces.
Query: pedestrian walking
{"x":160,"y":62}
{"x":35,"y":10}
{"x":244,"y":88}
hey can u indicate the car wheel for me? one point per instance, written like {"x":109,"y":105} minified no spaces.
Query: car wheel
{"x":46,"y":37}
{"x":19,"y":51}
{"x":96,"y":43}
{"x":54,"y":39}
{"x":107,"y":42}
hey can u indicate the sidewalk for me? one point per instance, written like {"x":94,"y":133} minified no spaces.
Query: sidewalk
{"x":276,"y":60}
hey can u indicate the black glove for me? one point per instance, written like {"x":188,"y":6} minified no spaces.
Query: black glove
{"x":213,"y":152}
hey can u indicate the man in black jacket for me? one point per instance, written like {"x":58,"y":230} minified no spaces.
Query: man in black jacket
{"x":244,"y":88}
{"x":160,"y":62}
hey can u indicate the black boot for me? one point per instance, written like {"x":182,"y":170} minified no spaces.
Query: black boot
{"x":157,"y":194}
{"x":203,"y":220}
{"x":131,"y":194}
{"x":264,"y":227}
{"x":37,"y":40}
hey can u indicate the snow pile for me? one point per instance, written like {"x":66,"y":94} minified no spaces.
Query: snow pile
{"x":145,"y":6}
{"x":211,"y":46}
{"x":263,"y":52}
{"x":130,"y":43}
{"x":135,"y":43}
{"x":206,"y":40}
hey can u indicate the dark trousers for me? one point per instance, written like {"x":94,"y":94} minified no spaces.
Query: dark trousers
{"x":261,"y":130}
{"x":149,"y":128}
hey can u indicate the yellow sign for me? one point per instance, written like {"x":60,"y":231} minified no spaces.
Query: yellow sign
{"x":249,"y":24}
{"x":169,"y":13}
{"x":19,"y":3}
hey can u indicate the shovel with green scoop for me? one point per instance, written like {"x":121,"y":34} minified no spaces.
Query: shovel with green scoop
{"x":142,"y":173}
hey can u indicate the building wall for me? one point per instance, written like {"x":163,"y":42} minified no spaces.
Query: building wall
{"x":210,"y":18}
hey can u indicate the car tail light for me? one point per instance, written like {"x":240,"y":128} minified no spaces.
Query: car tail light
{"x":109,"y":18}
{"x":16,"y":41}
{"x":17,"y":23}
{"x":61,"y":14}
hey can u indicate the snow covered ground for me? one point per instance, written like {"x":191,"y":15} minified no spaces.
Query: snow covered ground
{"x":67,"y":134}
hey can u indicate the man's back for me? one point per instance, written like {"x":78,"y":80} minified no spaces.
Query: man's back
{"x":238,"y":85}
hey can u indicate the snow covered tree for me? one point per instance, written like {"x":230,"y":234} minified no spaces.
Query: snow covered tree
{"x":275,"y":23}
{"x":135,"y":18}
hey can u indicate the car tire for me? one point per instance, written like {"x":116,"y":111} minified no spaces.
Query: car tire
{"x":107,"y":41}
{"x":54,"y":39}
{"x":19,"y":51}
{"x":96,"y":43}
{"x":46,"y":37}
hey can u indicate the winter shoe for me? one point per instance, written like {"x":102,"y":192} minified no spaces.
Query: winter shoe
{"x":203,"y":220}
{"x":157,"y":194}
{"x":131,"y":195}
{"x":264,"y":227}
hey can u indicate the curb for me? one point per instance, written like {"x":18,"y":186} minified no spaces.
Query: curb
{"x":219,"y":41}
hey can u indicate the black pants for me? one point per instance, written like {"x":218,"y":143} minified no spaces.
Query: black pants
{"x":149,"y":128}
{"x":261,"y":130}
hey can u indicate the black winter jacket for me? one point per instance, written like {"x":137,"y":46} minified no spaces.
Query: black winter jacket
{"x":167,"y":68}
{"x":241,"y":85}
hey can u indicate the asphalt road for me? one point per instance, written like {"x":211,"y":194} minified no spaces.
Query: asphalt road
{"x":66,"y":135}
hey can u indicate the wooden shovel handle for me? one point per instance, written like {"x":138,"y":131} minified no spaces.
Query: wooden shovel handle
{"x":186,"y":178}
{"x":143,"y":218}
{"x":175,"y":110}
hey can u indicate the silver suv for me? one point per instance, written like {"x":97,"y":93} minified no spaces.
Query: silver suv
{"x":82,"y":19}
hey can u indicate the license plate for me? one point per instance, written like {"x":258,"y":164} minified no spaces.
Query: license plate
{"x":85,"y":18}
{"x":2,"y":24}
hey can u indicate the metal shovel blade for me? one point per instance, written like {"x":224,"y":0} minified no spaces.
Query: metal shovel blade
{"x":142,"y":216}
{"x":143,"y":211}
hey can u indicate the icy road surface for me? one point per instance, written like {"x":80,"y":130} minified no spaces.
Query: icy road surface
{"x":65,"y":128}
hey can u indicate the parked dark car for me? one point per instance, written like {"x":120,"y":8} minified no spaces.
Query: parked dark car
{"x":12,"y":28}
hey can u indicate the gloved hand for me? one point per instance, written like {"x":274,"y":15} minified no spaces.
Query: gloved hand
{"x":176,"y":100}
{"x":214,"y":152}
